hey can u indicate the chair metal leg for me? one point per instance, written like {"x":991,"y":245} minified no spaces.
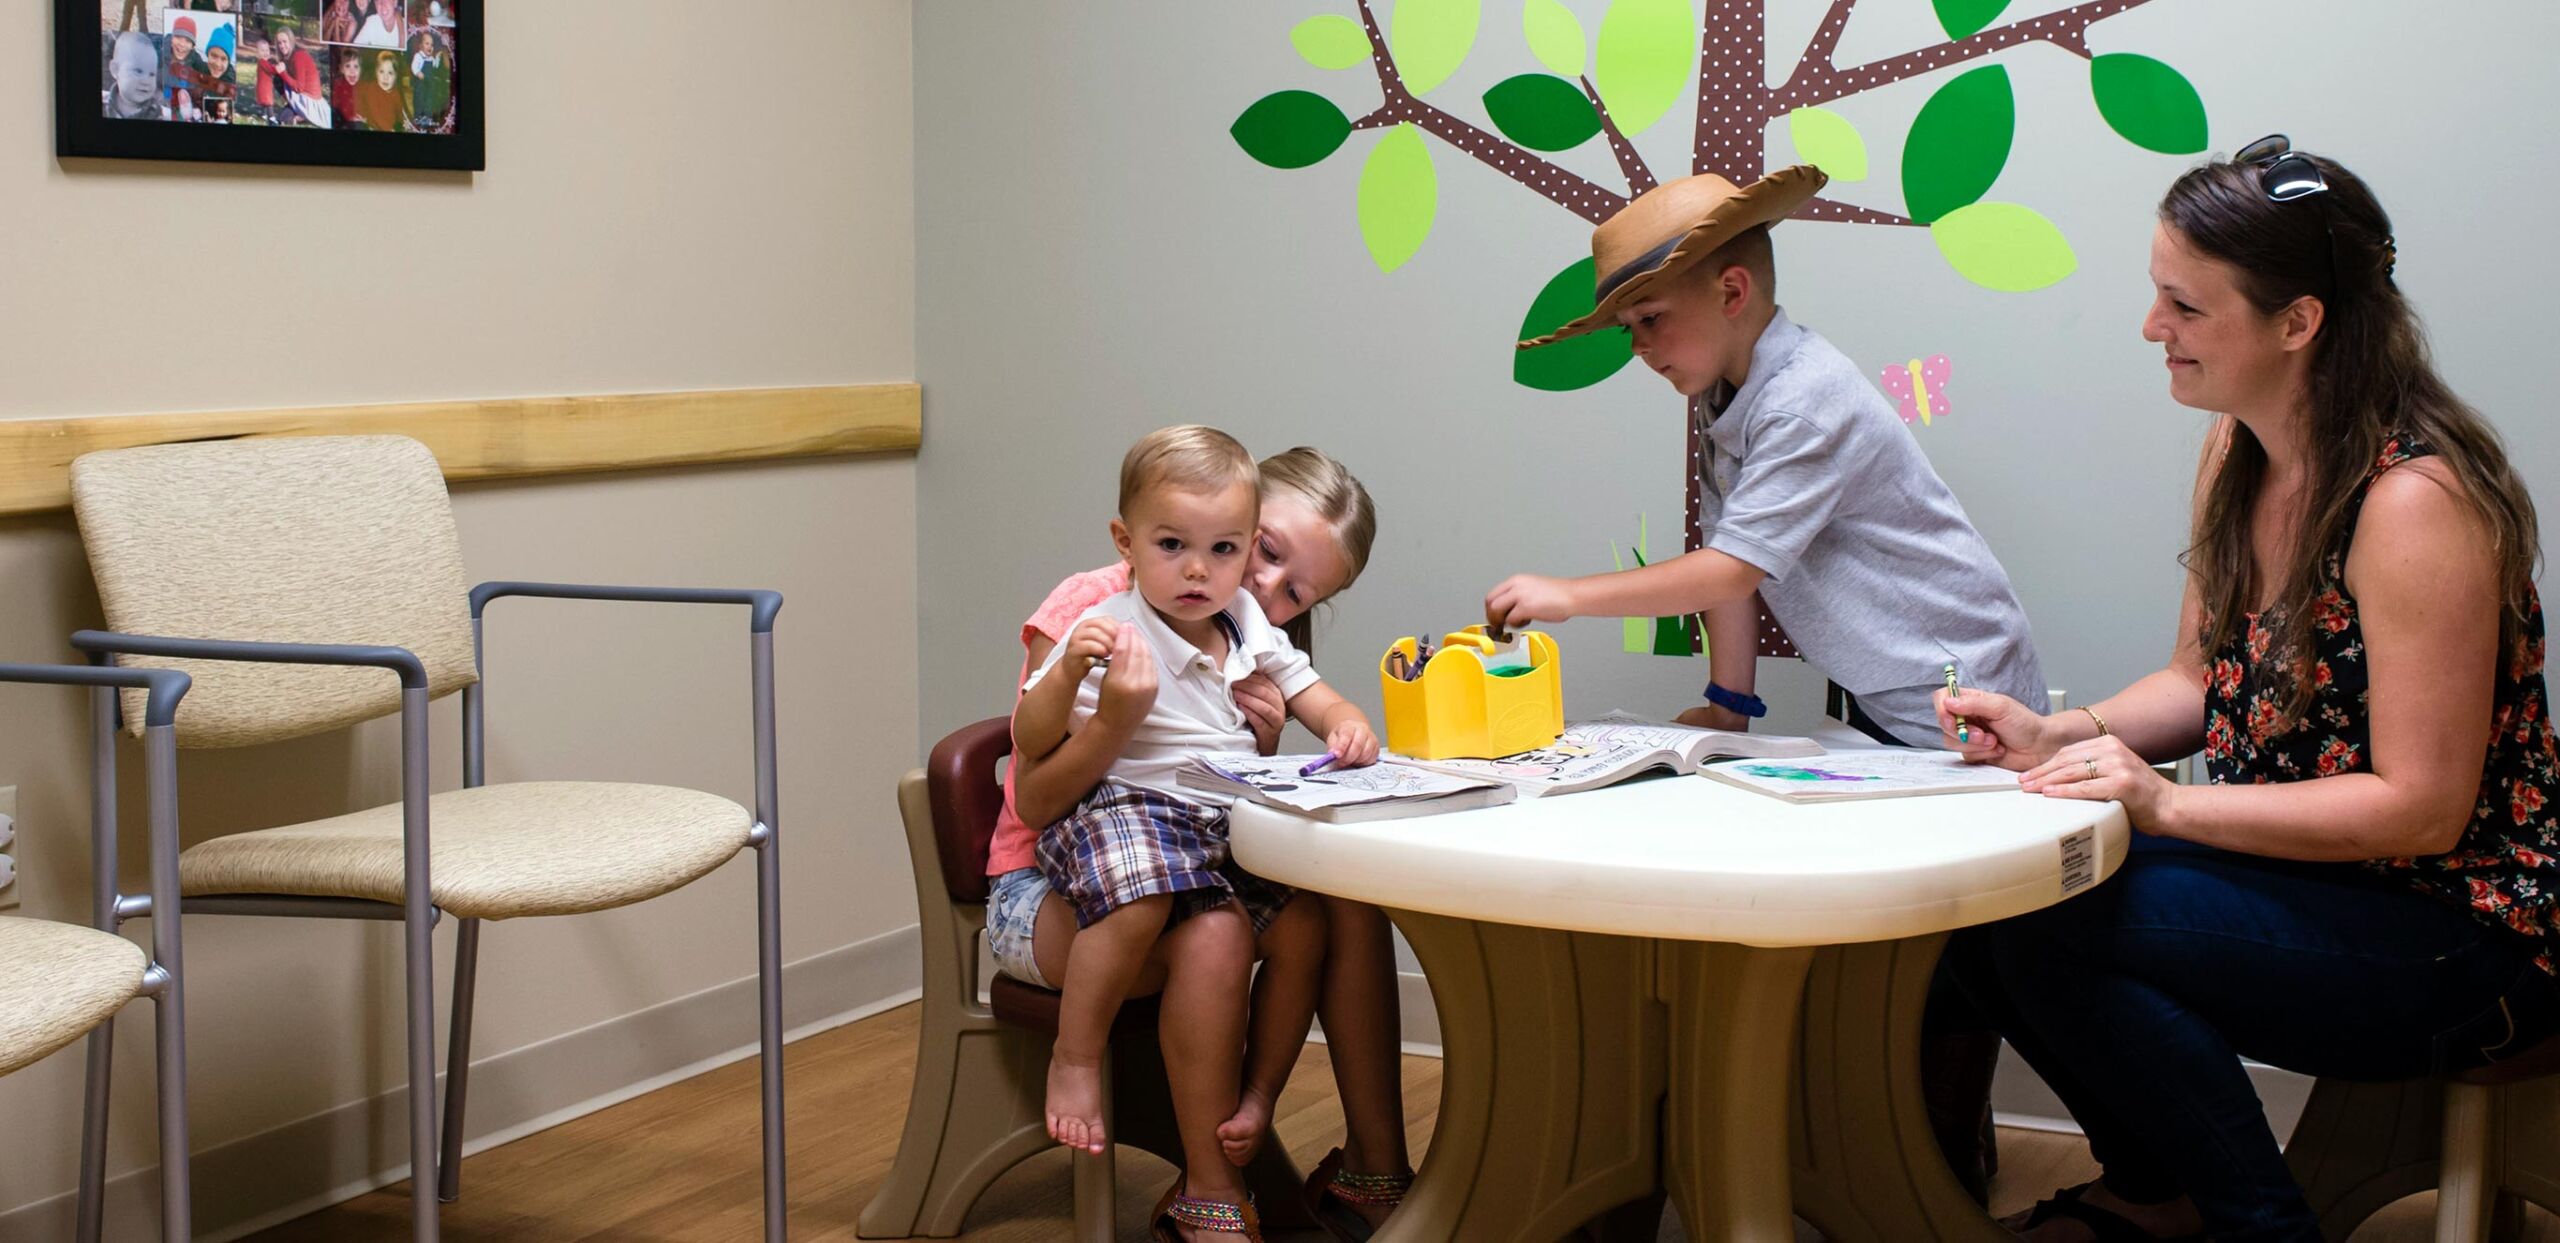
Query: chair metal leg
{"x":2465,"y":1181}
{"x":177,"y":1196}
{"x":769,"y":998}
{"x":457,"y":1062}
{"x":421,"y":973}
{"x":93,"y":1134}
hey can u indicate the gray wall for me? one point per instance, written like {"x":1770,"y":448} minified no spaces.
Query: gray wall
{"x":1096,"y":257}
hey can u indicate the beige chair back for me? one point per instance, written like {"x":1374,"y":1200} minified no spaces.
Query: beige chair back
{"x":321,"y":539}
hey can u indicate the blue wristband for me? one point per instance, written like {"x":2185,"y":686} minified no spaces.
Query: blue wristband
{"x":1736,"y":701}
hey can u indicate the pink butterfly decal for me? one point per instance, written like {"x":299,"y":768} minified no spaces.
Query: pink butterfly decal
{"x":1919,"y":388}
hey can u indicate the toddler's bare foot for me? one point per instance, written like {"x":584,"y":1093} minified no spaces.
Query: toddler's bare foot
{"x":1075,"y":1102}
{"x":1241,"y":1136}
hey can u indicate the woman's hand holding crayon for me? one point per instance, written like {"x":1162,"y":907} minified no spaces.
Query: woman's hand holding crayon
{"x":1998,"y":730}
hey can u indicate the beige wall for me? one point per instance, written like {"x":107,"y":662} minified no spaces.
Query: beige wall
{"x":661,"y":212}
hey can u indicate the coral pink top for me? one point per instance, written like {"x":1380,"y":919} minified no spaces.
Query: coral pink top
{"x":1015,"y":842}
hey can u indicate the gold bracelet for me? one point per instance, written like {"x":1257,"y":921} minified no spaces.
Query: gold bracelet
{"x":2103,"y":731}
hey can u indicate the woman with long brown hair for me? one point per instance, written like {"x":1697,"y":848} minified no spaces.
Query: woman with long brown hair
{"x":2366,"y":888}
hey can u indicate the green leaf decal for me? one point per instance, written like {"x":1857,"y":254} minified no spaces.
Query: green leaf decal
{"x":1398,"y":197}
{"x":1555,"y":36}
{"x":1291,"y":129}
{"x":1430,"y":38}
{"x":2151,"y":104}
{"x":1575,"y":362}
{"x":1331,"y":41}
{"x":1958,"y":143}
{"x":1961,"y":18}
{"x":1541,"y":112}
{"x":1648,"y":58}
{"x":1826,"y":140}
{"x":2003,"y":246}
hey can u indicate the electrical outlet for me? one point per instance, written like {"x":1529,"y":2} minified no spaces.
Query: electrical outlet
{"x":9,"y":848}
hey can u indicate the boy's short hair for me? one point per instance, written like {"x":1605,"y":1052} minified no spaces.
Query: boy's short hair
{"x":1190,"y":457}
{"x":1749,"y":250}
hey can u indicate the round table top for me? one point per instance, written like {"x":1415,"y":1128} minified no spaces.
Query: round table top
{"x":1688,"y":858}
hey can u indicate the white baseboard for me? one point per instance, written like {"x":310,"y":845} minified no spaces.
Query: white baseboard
{"x":280,"y":1174}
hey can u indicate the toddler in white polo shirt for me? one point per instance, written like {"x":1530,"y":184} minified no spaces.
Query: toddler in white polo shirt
{"x":1147,"y":677}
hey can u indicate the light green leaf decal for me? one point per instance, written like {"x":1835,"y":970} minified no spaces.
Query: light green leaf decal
{"x":1575,"y":362}
{"x":1331,"y":41}
{"x":1541,"y":112}
{"x":1430,"y":38}
{"x":1291,"y":129}
{"x":1398,"y":197}
{"x":1648,"y":59}
{"x":1825,"y":139}
{"x":1555,"y":36}
{"x":1958,"y":143}
{"x":2151,"y":104}
{"x":2003,"y":246}
{"x":1966,"y":17}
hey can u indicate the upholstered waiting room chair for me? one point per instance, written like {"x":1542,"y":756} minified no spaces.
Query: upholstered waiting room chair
{"x":60,"y":981}
{"x":982,"y":1066}
{"x":308,"y":584}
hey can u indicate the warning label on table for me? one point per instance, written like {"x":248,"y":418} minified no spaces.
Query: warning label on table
{"x":2079,"y":861}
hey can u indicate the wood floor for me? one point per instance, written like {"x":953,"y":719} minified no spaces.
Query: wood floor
{"x":680,"y":1165}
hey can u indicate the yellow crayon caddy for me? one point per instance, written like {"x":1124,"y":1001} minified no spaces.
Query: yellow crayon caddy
{"x":1456,"y":708}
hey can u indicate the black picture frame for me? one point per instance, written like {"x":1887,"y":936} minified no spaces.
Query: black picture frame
{"x":81,"y":128}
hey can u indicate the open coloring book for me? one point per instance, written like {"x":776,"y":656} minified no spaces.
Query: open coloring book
{"x":1340,"y":795}
{"x":1616,"y":746}
{"x":1842,"y":775}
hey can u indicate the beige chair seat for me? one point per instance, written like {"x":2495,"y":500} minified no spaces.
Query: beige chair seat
{"x":56,"y":982}
{"x":500,"y":851}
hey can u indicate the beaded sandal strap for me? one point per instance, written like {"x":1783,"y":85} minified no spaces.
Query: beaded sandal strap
{"x":1207,"y":1214}
{"x":1353,"y":1188}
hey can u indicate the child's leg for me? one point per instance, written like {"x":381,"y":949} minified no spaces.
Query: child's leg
{"x":1102,"y":966}
{"x":1208,"y":961}
{"x":1284,"y":1003}
{"x":1364,"y":1031}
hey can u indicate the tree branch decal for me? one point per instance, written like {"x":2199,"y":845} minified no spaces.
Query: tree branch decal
{"x":1650,"y":53}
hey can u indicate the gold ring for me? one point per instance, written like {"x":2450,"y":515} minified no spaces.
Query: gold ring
{"x":2093,"y":769}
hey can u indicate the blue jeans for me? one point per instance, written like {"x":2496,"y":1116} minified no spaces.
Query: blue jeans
{"x":2136,"y":1001}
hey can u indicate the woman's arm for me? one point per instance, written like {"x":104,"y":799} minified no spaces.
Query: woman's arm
{"x":2425,"y":584}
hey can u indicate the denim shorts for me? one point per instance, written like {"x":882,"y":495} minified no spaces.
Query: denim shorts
{"x":1013,"y":911}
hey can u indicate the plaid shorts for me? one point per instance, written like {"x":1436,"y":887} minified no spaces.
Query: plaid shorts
{"x":1124,"y":843}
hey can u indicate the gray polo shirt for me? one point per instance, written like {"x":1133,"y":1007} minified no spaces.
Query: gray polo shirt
{"x":1873,"y":567}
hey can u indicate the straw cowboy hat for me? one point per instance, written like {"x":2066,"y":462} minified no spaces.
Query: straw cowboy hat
{"x":1672,"y":226}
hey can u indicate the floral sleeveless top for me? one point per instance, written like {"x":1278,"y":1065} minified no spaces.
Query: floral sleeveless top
{"x":2506,"y":868}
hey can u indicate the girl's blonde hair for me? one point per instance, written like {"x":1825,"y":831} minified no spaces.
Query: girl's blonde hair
{"x":1325,"y":486}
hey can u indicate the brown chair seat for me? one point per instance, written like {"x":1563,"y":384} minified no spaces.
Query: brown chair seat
{"x":2534,"y":1063}
{"x":1030,"y":1006}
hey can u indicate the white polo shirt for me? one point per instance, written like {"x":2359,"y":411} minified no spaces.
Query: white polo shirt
{"x":1195,"y":711}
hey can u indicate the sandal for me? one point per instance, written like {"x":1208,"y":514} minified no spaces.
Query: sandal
{"x":2105,"y":1226}
{"x":1177,"y":1210}
{"x":1332,"y":1191}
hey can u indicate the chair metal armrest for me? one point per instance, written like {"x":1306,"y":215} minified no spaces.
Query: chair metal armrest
{"x":165,"y":686}
{"x":765,"y":603}
{"x":412,"y":671}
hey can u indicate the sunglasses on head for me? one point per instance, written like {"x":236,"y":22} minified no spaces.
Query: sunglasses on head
{"x":2284,"y":173}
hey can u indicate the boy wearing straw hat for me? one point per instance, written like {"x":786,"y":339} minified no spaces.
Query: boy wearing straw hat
{"x":1814,"y":500}
{"x":1814,"y":496}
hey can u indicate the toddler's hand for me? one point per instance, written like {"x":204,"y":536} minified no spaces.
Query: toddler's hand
{"x":1352,"y":744}
{"x":1129,"y":685}
{"x":1088,"y":644}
